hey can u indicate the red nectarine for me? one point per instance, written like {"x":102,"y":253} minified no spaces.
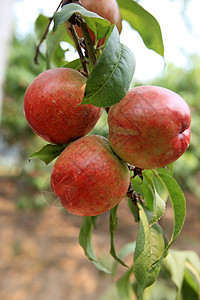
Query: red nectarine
{"x":50,"y":106}
{"x":89,"y":178}
{"x":150,"y":127}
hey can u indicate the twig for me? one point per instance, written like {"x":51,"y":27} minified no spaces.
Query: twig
{"x":78,"y":48}
{"x":88,"y":41}
{"x":44,"y":36}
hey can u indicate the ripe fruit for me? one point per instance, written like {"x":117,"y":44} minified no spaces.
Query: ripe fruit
{"x":108,"y":9}
{"x":88,"y":177}
{"x":150,"y":127}
{"x":50,"y":106}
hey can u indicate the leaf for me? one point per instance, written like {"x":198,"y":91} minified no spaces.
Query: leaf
{"x":48,"y":153}
{"x":99,"y":26}
{"x":188,"y":292}
{"x":174,"y":263}
{"x":124,"y":252}
{"x":124,"y":285}
{"x":75,"y":64}
{"x":112,"y":75}
{"x":183,"y":265}
{"x":113,"y":228}
{"x":145,"y":188}
{"x":150,"y":245}
{"x":150,"y":195}
{"x":158,"y":208}
{"x":192,"y":278}
{"x":177,"y":199}
{"x":41,"y":24}
{"x":143,"y":22}
{"x":85,"y":240}
{"x":53,"y":44}
{"x":134,"y":210}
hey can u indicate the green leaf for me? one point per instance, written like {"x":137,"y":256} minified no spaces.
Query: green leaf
{"x":123,"y":253}
{"x":75,"y":64}
{"x":124,"y":285}
{"x":153,"y":201}
{"x":174,"y":264}
{"x":177,"y":199}
{"x":112,"y":75}
{"x":188,"y":292}
{"x":145,"y":188}
{"x":48,"y":152}
{"x":99,"y":26}
{"x":158,"y":208}
{"x":192,"y":277}
{"x":41,"y":24}
{"x":150,"y":245}
{"x":113,"y":228}
{"x":183,"y":265}
{"x":85,"y":240}
{"x":143,"y":22}
{"x":53,"y":45}
{"x":134,"y":210}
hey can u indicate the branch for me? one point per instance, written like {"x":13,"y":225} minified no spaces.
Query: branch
{"x":88,"y":41}
{"x":78,"y":48}
{"x":44,"y":36}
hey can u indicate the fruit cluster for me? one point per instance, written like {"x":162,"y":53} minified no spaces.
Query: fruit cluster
{"x":149,"y":128}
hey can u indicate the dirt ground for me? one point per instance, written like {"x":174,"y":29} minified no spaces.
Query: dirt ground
{"x":40,"y":257}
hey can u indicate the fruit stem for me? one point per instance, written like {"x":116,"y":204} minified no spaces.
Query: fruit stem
{"x":78,"y":48}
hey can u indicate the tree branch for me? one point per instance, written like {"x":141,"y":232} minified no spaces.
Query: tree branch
{"x":88,"y":41}
{"x":78,"y":48}
{"x":44,"y":36}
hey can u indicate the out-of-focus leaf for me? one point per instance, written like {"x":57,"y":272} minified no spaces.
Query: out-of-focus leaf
{"x":53,"y":44}
{"x":124,"y":285}
{"x":183,"y":266}
{"x":41,"y":24}
{"x":143,"y":22}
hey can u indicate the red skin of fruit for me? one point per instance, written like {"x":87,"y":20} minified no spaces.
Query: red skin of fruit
{"x":50,"y":106}
{"x":107,"y":9}
{"x":89,"y":178}
{"x":150,"y":127}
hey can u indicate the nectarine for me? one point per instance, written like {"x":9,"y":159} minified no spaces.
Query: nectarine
{"x":88,"y":177}
{"x":150,"y":127}
{"x":50,"y":106}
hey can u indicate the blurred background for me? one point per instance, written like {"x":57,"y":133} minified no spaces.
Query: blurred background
{"x":40,"y":257}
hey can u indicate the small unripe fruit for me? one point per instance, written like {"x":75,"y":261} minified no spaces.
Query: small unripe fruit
{"x":150,"y":127}
{"x":50,"y":106}
{"x":88,"y":177}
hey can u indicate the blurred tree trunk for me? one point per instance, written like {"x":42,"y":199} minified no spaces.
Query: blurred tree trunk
{"x":5,"y":37}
